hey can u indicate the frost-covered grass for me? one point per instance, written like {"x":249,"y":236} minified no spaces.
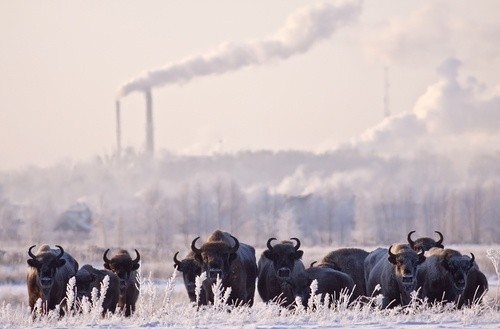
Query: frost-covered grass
{"x":164,"y":303}
{"x":159,"y":307}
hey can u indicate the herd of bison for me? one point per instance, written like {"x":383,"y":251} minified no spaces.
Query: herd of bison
{"x":424,"y":265}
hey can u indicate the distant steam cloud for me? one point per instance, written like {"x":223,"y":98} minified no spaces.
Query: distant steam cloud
{"x":450,"y":117}
{"x":435,"y":31}
{"x":449,"y":138}
{"x":301,"y":31}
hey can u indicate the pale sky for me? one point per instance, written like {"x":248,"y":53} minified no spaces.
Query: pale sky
{"x":62,"y":64}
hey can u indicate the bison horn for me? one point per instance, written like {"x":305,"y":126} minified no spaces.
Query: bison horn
{"x":390,"y":252}
{"x":410,"y":241}
{"x":297,"y":246}
{"x":312,"y":264}
{"x":236,"y":245}
{"x":61,"y":253}
{"x":105,"y":257}
{"x":472,"y":259}
{"x":440,"y":237}
{"x":176,"y":261}
{"x":269,"y":243}
{"x":193,"y":247}
{"x":31,"y":253}
{"x":137,"y":257}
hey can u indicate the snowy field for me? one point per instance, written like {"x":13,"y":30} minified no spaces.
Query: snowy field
{"x":163,"y":303}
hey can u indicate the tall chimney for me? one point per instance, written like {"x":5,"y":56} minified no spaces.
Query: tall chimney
{"x":387,"y":111}
{"x":118,"y":131}
{"x":150,"y":146}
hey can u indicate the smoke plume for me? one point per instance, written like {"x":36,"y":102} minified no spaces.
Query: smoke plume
{"x":301,"y":31}
{"x":451,"y":117}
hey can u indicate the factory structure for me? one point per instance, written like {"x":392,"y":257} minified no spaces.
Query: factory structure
{"x":150,"y":143}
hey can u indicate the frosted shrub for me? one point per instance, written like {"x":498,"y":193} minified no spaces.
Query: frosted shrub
{"x":85,"y":305}
{"x":98,"y":299}
{"x":38,"y":309}
{"x":147,"y":297}
{"x":70,"y":295}
{"x":314,"y":299}
{"x":199,"y":285}
{"x":415,"y":303}
{"x":299,"y":307}
{"x":169,"y":289}
{"x":494,"y":256}
{"x":343,"y":301}
{"x":221,"y":295}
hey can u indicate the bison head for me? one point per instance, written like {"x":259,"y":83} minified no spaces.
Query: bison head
{"x":425,"y":244}
{"x":190,"y":270}
{"x":458,"y":266}
{"x":283,"y":255}
{"x":215,"y":257}
{"x":122,"y":265}
{"x":86,"y":280}
{"x":405,"y":261}
{"x":46,"y":265}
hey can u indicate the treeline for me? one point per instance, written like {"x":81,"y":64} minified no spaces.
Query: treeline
{"x":343,"y":198}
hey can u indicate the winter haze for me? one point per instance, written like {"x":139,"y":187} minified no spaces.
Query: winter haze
{"x":275,"y":76}
{"x":320,"y":120}
{"x":342,"y":123}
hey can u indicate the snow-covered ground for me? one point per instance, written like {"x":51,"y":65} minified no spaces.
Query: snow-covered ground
{"x":163,"y":303}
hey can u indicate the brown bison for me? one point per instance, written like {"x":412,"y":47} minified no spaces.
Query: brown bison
{"x":350,"y":261}
{"x":443,"y":275}
{"x":126,"y":269}
{"x":282,"y":275}
{"x":476,"y":285}
{"x":395,"y":270}
{"x":233,"y":263}
{"x":87,"y":278}
{"x":190,"y":269}
{"x":48,"y":274}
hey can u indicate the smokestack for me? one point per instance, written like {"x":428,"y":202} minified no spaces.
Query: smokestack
{"x":387,"y":111}
{"x":150,"y":146}
{"x":118,"y":132}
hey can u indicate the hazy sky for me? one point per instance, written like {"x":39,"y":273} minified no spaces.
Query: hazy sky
{"x":256,"y":79}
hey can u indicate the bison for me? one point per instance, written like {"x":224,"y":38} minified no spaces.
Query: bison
{"x":87,"y":278}
{"x":190,"y":269}
{"x":281,"y":273}
{"x":476,"y":285}
{"x":330,"y":281}
{"x":443,"y":276}
{"x":234,"y":264}
{"x":475,"y":288}
{"x":126,"y":269}
{"x":396,"y":274}
{"x":48,"y":274}
{"x":425,"y":244}
{"x":350,"y":261}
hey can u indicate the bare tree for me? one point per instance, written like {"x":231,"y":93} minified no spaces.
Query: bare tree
{"x":219,"y":202}
{"x":236,"y":207}
{"x":330,"y":214}
{"x":185,"y":213}
{"x":474,"y":210}
{"x":200,"y":214}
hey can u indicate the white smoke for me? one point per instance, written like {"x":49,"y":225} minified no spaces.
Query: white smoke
{"x":451,"y":117}
{"x":437,"y":30}
{"x":452,"y":125}
{"x":301,"y":31}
